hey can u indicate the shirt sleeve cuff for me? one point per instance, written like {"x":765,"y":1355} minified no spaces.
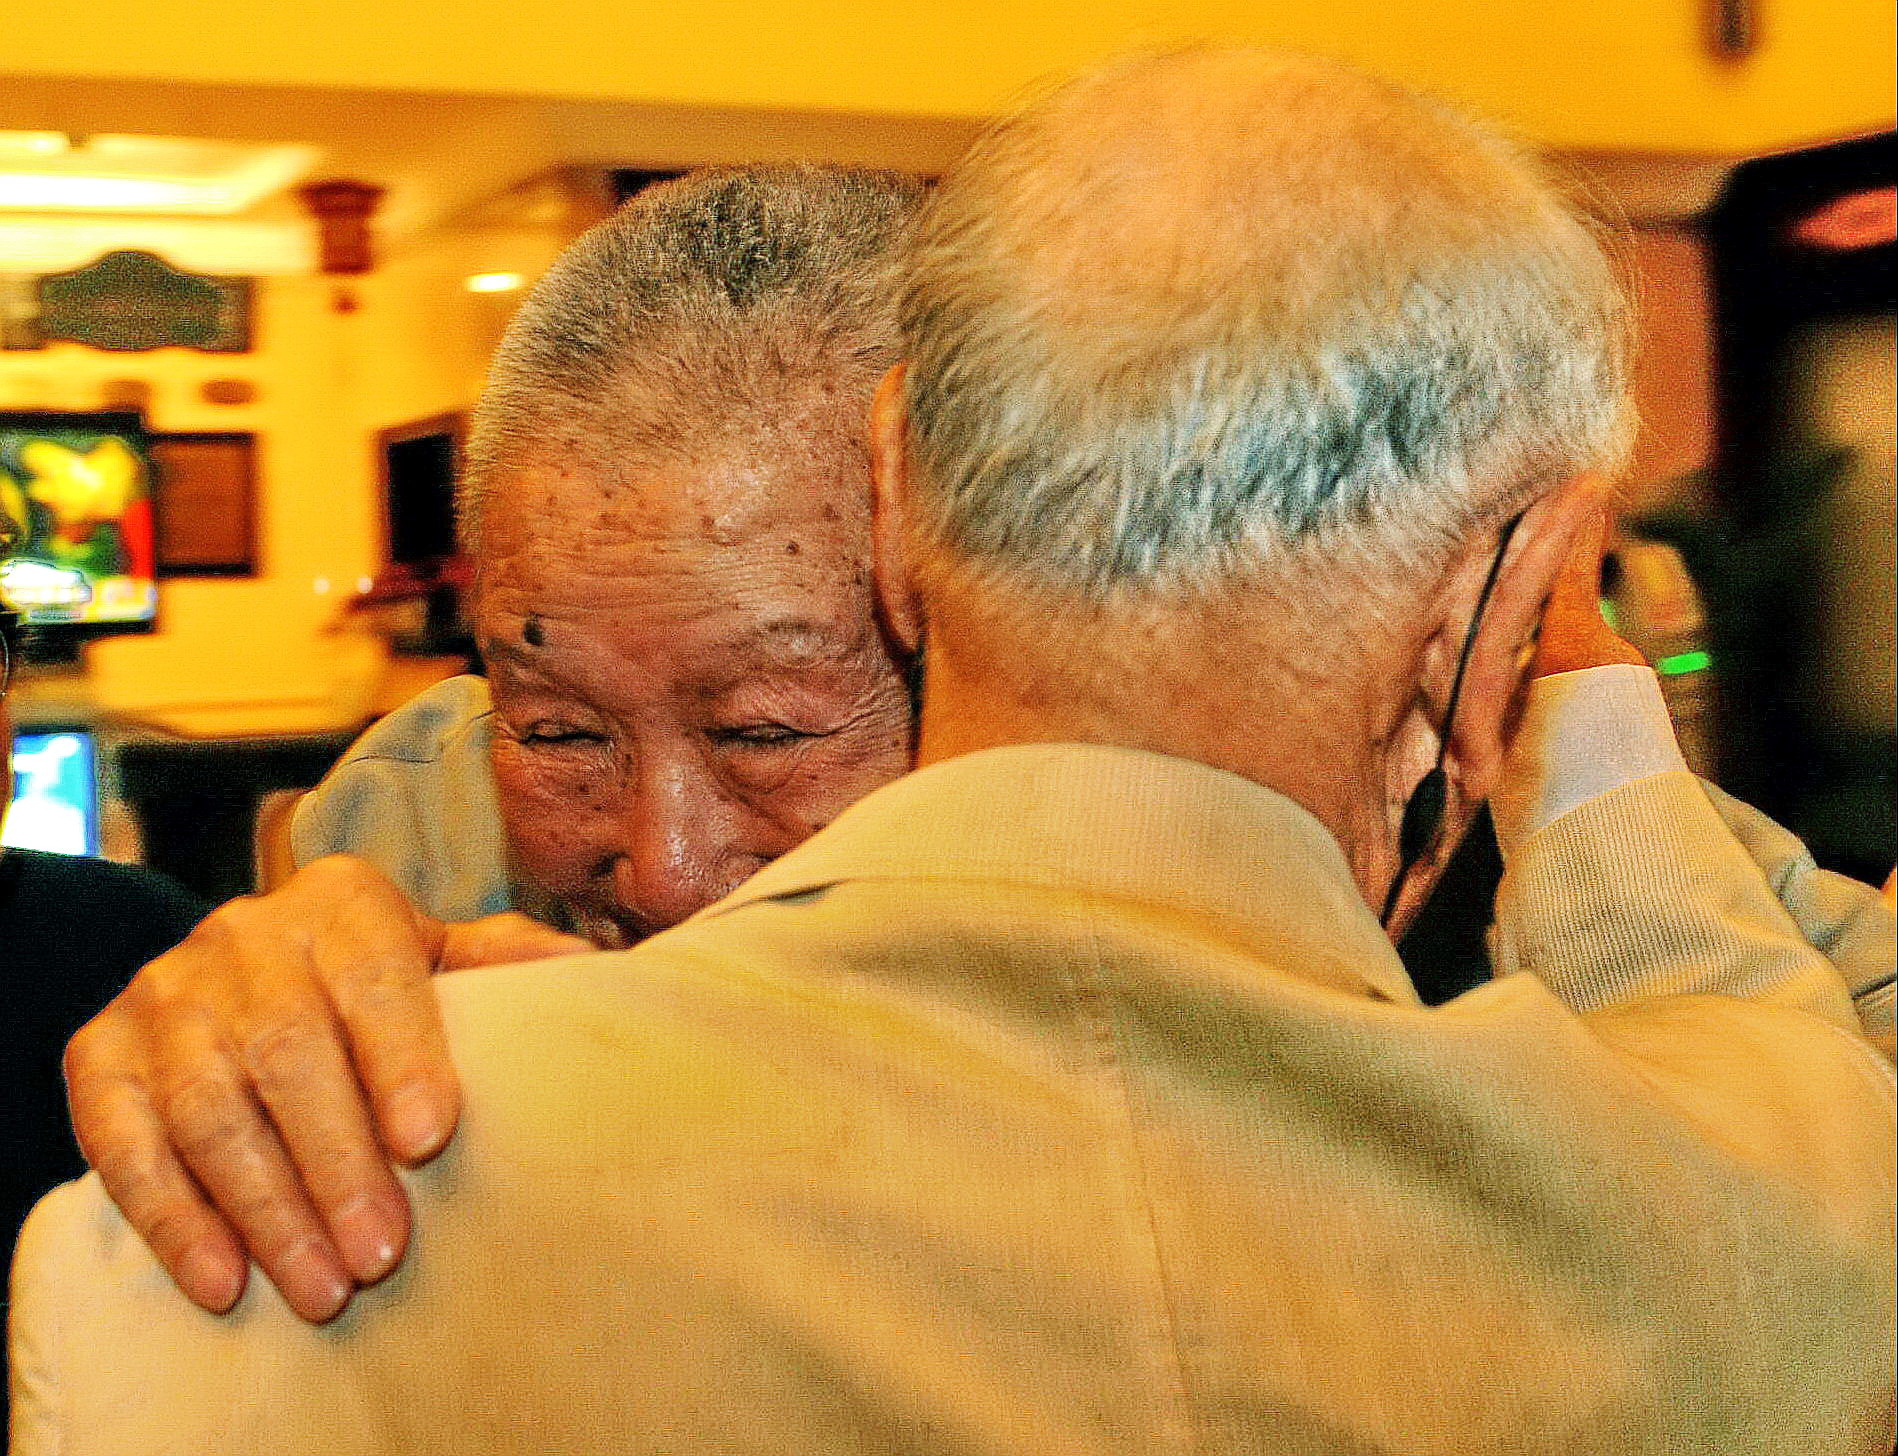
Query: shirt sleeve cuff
{"x":1583,"y":734}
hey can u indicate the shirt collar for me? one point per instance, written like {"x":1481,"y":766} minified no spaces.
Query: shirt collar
{"x":1117,"y":822}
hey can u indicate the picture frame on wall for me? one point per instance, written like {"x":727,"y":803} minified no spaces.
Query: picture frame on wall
{"x":207,"y":512}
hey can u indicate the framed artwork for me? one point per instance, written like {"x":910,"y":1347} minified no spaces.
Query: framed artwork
{"x":207,"y":503}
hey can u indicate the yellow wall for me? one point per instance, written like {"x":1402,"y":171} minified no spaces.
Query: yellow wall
{"x":1573,"y":73}
{"x":415,"y":344}
{"x":251,"y":639}
{"x":1577,"y":74}
{"x":423,"y":340}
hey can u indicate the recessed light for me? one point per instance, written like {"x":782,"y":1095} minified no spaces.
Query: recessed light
{"x":34,"y":144}
{"x":495,"y":282}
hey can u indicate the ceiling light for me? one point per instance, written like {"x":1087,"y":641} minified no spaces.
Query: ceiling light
{"x":47,"y":172}
{"x":495,"y":282}
{"x":57,"y":242}
{"x":33,"y":145}
{"x":37,"y":192}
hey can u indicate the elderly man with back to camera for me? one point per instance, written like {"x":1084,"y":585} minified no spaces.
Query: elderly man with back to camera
{"x":1067,"y":1094}
{"x":668,"y":502}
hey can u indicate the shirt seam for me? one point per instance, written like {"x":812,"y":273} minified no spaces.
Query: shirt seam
{"x":1867,"y":1059}
{"x":1371,"y":987}
{"x":1092,"y":1002}
{"x":435,"y":755}
{"x":1533,"y":824}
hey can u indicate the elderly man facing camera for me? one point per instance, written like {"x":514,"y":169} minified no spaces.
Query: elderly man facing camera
{"x":1066,"y":1095}
{"x":668,"y":503}
{"x":667,"y":500}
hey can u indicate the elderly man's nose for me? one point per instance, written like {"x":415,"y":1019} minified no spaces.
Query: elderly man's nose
{"x":676,"y":856}
{"x":658,"y":893}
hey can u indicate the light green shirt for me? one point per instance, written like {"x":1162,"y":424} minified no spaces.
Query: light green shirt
{"x":415,"y":797}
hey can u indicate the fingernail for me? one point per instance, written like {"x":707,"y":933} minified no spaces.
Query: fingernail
{"x":413,"y":1126}
{"x":363,"y":1237}
{"x":312,"y":1283}
{"x":214,"y":1279}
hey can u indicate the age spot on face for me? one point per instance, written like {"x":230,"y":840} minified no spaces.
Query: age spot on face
{"x":791,"y":548}
{"x":533,"y":634}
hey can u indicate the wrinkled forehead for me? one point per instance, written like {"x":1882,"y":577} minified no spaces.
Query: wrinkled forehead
{"x":729,"y":501}
{"x":643,"y":552}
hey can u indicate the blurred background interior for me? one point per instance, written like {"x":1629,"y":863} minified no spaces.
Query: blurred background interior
{"x":253,"y":259}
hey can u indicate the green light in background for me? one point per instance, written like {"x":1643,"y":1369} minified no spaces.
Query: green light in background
{"x":1610,"y":615}
{"x":1682,"y":662}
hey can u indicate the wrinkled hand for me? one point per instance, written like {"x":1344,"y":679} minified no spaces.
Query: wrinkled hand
{"x":248,"y":1090}
{"x":1574,"y":634}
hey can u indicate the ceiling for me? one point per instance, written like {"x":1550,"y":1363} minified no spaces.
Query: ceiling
{"x":1596,"y":74}
{"x":438,"y":156}
{"x":443,"y":156}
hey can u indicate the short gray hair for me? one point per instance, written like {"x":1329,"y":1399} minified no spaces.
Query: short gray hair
{"x":1159,"y":332}
{"x":730,"y":309}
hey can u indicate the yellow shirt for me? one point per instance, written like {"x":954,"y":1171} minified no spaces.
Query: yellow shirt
{"x":1065,"y":1099}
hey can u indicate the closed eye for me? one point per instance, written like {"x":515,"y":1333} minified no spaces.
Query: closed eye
{"x":552,"y":735}
{"x":761,"y":735}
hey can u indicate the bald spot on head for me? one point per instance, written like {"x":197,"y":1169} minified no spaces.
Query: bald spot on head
{"x":1195,"y":310}
{"x":730,"y":313}
{"x":1246,"y":181}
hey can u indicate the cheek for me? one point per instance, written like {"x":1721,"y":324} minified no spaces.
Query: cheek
{"x":558,"y":816}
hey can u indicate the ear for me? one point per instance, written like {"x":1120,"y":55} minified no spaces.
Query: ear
{"x":1499,"y":662}
{"x":1498,"y":670}
{"x":897,"y":599}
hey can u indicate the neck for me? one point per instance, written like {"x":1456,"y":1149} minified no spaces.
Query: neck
{"x":1203,"y":689}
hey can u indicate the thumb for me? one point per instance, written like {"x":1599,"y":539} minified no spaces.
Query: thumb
{"x":1573,"y":633}
{"x":501,"y":939}
{"x":1578,"y":586}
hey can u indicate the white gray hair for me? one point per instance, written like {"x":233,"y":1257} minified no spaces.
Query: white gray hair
{"x":1201,"y":310}
{"x":731,"y":309}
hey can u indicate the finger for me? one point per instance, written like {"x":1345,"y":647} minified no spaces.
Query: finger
{"x":1574,"y":634}
{"x":221,"y":1136}
{"x":1578,"y":586}
{"x":1573,"y":616}
{"x":122,"y":1139}
{"x":377,"y":971}
{"x":499,"y":940}
{"x":288,"y":1045}
{"x":301,"y":1073}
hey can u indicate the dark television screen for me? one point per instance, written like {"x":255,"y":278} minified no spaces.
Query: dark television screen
{"x":1799,"y":566}
{"x":421,"y":486}
{"x":77,"y":489}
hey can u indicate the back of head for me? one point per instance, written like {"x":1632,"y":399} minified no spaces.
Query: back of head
{"x":733,"y":312}
{"x":1203,"y":312}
